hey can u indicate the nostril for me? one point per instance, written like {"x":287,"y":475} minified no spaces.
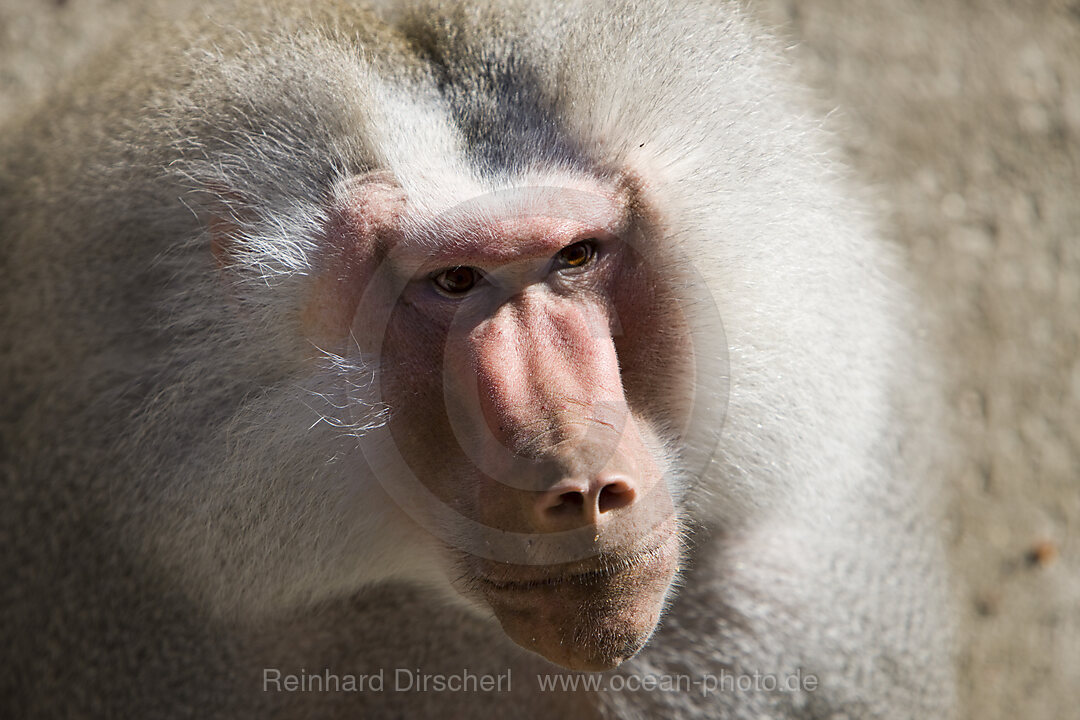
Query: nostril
{"x":570,"y":502}
{"x":566,"y":503}
{"x":615,"y":495}
{"x":572,"y":499}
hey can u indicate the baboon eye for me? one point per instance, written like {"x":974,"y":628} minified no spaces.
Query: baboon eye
{"x":578,"y":254}
{"x":457,"y":280}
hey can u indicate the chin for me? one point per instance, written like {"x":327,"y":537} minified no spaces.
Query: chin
{"x":588,"y":615}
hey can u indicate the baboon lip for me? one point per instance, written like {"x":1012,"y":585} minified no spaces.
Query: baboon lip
{"x":604,"y":568}
{"x":586,"y":615}
{"x":582,"y":578}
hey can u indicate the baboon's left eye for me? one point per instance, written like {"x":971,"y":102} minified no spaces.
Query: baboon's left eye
{"x":457,"y":280}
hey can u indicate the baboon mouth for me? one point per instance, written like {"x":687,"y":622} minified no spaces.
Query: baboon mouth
{"x":603,"y":569}
{"x":588,"y":615}
{"x":583,"y":578}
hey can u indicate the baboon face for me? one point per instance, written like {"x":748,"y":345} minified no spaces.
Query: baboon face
{"x":518,"y":338}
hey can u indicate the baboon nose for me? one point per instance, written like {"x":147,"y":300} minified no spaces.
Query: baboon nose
{"x":574,"y":503}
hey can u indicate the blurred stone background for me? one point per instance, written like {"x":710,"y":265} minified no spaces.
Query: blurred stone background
{"x":964,"y":116}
